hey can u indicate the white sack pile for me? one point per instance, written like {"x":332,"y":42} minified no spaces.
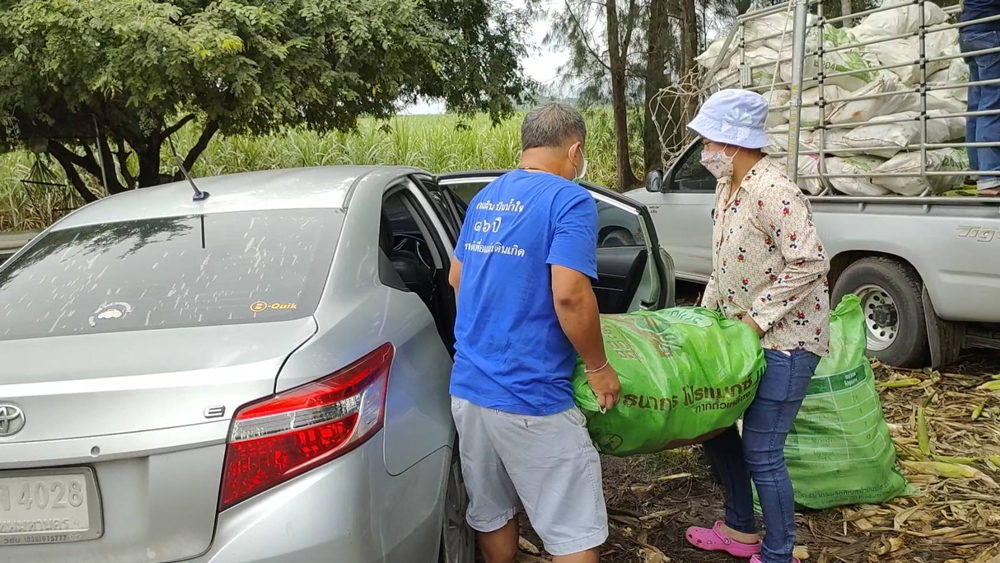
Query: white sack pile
{"x":808,"y":165}
{"x":877,"y":137}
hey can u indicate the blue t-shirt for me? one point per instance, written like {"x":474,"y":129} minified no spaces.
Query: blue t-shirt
{"x":975,"y":9}
{"x":510,"y":352}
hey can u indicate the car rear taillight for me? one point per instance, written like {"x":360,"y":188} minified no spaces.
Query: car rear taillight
{"x":292,"y":432}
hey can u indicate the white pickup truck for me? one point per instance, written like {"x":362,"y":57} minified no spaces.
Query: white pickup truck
{"x":927,"y":268}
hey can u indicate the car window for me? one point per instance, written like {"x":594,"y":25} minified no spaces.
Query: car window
{"x":408,"y":236}
{"x":616,"y":227}
{"x":691,"y":176}
{"x":214,"y":269}
{"x":468,"y":190}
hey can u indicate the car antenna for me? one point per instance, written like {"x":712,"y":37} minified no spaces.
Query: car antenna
{"x":198,"y":194}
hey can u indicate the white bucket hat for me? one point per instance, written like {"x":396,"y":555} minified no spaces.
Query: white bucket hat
{"x":733,"y":117}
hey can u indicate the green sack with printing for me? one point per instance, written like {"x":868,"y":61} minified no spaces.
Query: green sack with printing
{"x":686,"y":373}
{"x":839,"y":450}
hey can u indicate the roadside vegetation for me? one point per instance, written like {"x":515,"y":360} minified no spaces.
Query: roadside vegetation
{"x":438,"y":143}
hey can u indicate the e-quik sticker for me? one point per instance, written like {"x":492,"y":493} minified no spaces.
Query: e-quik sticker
{"x":261,"y":306}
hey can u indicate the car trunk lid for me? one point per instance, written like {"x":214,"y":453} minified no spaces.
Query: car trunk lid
{"x":147,"y":412}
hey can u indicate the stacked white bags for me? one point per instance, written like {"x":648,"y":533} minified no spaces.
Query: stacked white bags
{"x":888,"y":128}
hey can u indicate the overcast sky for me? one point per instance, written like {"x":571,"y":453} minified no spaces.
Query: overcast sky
{"x":541,"y":64}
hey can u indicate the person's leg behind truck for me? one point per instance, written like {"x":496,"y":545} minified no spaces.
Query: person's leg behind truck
{"x":984,"y":128}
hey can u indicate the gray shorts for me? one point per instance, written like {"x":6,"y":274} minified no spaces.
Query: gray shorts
{"x":545,"y":464}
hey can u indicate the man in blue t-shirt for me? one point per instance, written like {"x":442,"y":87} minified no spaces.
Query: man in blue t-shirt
{"x":976,"y":37}
{"x":526,"y":308}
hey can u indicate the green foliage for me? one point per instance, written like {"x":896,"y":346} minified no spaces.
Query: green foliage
{"x":70,"y":68}
{"x":435,"y":143}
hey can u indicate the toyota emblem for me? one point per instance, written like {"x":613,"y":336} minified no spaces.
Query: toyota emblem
{"x":11,"y":419}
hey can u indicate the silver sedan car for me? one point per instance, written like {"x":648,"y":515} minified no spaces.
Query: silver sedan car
{"x":259,"y":376}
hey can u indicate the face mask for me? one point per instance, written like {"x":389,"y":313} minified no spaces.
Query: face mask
{"x":583,"y":171}
{"x":718,"y":163}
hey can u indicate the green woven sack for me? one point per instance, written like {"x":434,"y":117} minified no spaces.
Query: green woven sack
{"x":686,"y":373}
{"x":839,"y":450}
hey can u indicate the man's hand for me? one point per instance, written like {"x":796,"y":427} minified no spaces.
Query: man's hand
{"x":748,"y":320}
{"x":606,"y":386}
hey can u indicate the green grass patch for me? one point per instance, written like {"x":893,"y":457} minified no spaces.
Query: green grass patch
{"x":438,"y":143}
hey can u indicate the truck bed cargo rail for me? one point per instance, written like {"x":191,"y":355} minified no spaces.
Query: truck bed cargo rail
{"x":803,"y":39}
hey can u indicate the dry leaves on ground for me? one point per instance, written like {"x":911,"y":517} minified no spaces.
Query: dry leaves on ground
{"x":951,"y":454}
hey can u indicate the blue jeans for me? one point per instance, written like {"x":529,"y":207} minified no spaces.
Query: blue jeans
{"x":760,"y":455}
{"x":985,"y":128}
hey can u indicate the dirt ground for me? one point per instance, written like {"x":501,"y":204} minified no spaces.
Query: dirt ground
{"x":653,"y":499}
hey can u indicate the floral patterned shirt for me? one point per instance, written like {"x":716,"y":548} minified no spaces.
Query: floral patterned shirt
{"x":769,"y":262}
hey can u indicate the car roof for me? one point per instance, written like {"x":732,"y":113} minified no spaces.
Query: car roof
{"x":294,"y":188}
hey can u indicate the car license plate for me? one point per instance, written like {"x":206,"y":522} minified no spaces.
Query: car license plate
{"x":49,"y":506}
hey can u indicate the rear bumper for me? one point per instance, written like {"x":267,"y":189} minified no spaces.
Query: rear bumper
{"x":351,"y":508}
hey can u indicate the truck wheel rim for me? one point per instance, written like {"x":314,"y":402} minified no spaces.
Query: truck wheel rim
{"x":458,"y":539}
{"x":881,"y":316}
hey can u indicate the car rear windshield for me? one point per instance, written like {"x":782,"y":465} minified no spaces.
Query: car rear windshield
{"x":202,"y":270}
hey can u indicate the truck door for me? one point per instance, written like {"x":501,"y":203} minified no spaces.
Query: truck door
{"x":684,"y":216}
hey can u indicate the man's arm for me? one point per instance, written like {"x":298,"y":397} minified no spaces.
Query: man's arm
{"x":576,"y":308}
{"x":455,"y":275}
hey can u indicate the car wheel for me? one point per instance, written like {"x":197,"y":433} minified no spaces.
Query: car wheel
{"x":617,"y":237}
{"x":458,"y":539}
{"x":890,"y":294}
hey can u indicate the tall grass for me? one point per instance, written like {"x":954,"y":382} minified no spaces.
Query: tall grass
{"x":440,"y":143}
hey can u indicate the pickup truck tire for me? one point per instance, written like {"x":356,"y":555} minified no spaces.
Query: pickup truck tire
{"x":890,"y":293}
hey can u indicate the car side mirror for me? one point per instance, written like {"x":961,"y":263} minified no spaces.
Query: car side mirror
{"x":654,"y":181}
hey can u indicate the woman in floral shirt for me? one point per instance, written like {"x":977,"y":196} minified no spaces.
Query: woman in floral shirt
{"x":769,"y":270}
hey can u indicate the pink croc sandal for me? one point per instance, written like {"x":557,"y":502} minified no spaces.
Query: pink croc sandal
{"x":757,"y":559}
{"x":714,"y":539}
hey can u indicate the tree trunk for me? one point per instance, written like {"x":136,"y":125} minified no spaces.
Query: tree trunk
{"x":845,"y":7}
{"x":689,"y":50}
{"x":656,"y":63}
{"x":65,"y":158}
{"x":149,"y":164}
{"x":199,"y":147}
{"x":619,"y":108}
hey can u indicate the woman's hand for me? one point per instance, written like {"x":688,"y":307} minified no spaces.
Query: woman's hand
{"x":748,"y":320}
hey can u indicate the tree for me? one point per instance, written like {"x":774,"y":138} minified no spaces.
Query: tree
{"x":619,"y":41}
{"x":604,"y":40}
{"x":658,"y":39}
{"x":689,"y":50}
{"x":97,"y":82}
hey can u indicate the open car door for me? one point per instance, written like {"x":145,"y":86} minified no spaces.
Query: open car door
{"x":634,"y":272}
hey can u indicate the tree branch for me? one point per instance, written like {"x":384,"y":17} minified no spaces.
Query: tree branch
{"x":211,"y":128}
{"x":65,"y":158}
{"x":106,"y":166}
{"x":583,"y":37}
{"x":629,"y":27}
{"x":85,"y":161}
{"x":176,"y":126}
{"x":119,"y":122}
